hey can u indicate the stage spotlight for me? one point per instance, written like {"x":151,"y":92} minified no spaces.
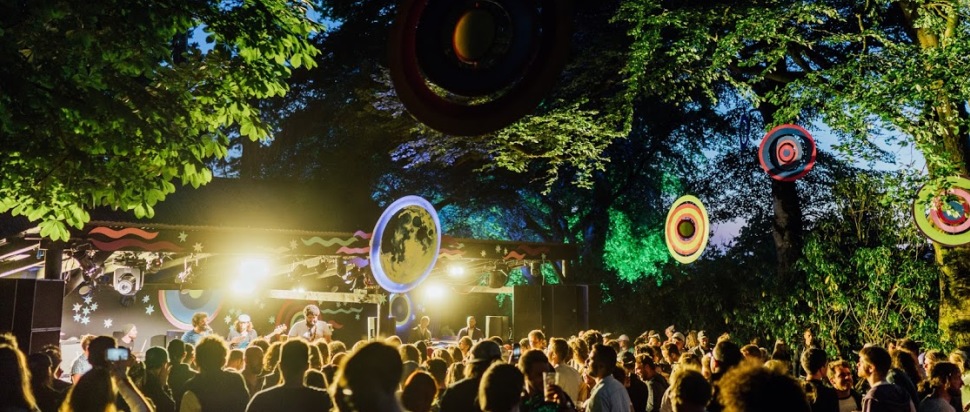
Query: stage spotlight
{"x":456,"y":271}
{"x":435,"y":292}
{"x":127,"y":281}
{"x":252,"y":273}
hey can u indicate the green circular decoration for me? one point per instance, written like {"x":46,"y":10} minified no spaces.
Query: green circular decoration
{"x":944,"y":220}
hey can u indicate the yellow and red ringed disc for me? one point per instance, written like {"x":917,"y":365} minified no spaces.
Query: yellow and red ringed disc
{"x":687,"y":229}
{"x":945,"y":218}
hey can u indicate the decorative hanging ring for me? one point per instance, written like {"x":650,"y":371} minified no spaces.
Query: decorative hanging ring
{"x":405,"y":244}
{"x":945,"y":218}
{"x":471,"y":67}
{"x":787,"y":152}
{"x":687,"y":229}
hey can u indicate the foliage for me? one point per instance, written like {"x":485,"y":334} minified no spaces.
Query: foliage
{"x":870,"y":271}
{"x":105,"y":103}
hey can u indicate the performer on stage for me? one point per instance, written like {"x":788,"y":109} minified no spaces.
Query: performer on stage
{"x":200,"y":329}
{"x":421,"y":332}
{"x":311,"y":329}
{"x":242,"y":333}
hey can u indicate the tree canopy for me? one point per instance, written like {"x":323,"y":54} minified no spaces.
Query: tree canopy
{"x":108,"y":103}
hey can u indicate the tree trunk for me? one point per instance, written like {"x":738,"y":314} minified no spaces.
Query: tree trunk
{"x":954,"y":293}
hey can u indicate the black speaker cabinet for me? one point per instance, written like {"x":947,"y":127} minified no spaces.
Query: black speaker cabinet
{"x":31,"y":309}
{"x":497,"y":326}
{"x":557,"y":310}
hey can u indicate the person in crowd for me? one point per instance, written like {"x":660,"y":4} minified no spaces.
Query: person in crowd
{"x":537,"y":340}
{"x":814,"y":362}
{"x":411,"y":360}
{"x":534,"y":365}
{"x":646,"y":370}
{"x":930,"y":358}
{"x":81,"y":364}
{"x":962,"y":360}
{"x":653,"y":339}
{"x":439,"y":371}
{"x":129,"y":333}
{"x":271,"y":375}
{"x":751,"y":353}
{"x":500,"y":389}
{"x":635,"y":388}
{"x":98,"y":389}
{"x":905,"y":373}
{"x":156,"y":387}
{"x":703,"y":345}
{"x":54,"y":352}
{"x":671,"y":356}
{"x":315,"y":379}
{"x":840,"y":376}
{"x":292,"y":395}
{"x":368,"y":379}
{"x":213,"y":389}
{"x":625,"y":345}
{"x":421,"y":332}
{"x":179,"y":371}
{"x":570,"y":380}
{"x":242,"y":333}
{"x":460,"y":396}
{"x":607,"y":394}
{"x":311,"y":327}
{"x":755,"y":388}
{"x":689,"y":391}
{"x":42,"y":382}
{"x":475,"y":334}
{"x":419,"y":392}
{"x":234,"y":362}
{"x":678,"y":340}
{"x":944,"y":379}
{"x":465,"y":344}
{"x":253,"y":370}
{"x":200,"y":329}
{"x":15,"y":392}
{"x":874,"y":365}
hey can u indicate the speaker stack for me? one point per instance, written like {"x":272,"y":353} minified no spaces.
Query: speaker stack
{"x":31,"y":309}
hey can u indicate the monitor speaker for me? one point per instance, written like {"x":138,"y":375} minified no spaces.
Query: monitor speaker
{"x":31,"y":309}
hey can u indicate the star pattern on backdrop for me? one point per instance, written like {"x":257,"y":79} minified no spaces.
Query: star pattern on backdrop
{"x":498,"y":248}
{"x":145,"y":299}
{"x":107,"y":323}
{"x":86,"y":311}
{"x":94,"y":306}
{"x":149,"y":309}
{"x":85,"y":320}
{"x":228,"y":319}
{"x":483,"y":253}
{"x":293,"y":244}
{"x":183,"y":236}
{"x":357,"y":316}
{"x":77,"y":317}
{"x":272,"y":320}
{"x":87,"y":300}
{"x":77,"y":307}
{"x":197,"y":247}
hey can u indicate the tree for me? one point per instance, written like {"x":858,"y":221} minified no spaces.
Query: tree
{"x":860,"y":67}
{"x":107,"y":103}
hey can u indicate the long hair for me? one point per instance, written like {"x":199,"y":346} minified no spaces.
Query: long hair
{"x":939,"y":377}
{"x":15,"y":389}
{"x":95,"y":391}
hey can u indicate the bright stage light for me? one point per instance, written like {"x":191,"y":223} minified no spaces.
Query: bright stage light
{"x":253,"y":271}
{"x":435,"y":292}
{"x":456,"y":271}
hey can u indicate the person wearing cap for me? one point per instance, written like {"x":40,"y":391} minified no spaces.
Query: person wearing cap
{"x":311,"y":328}
{"x":679,"y":340}
{"x":608,"y":394}
{"x":625,"y":346}
{"x":462,"y":396}
{"x":242,"y":332}
{"x":703,"y":345}
{"x":128,"y":334}
{"x":156,"y":387}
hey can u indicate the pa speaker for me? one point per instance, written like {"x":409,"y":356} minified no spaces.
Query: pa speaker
{"x":497,"y":326}
{"x":31,"y":309}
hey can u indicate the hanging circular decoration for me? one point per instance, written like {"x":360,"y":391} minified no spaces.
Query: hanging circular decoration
{"x":787,"y":152}
{"x":470,"y":67}
{"x":945,"y":219}
{"x":405,"y":244}
{"x":687,"y":229}
{"x":401,"y":309}
{"x":179,"y":306}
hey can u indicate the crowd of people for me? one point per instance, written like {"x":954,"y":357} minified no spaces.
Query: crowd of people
{"x":590,"y":371}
